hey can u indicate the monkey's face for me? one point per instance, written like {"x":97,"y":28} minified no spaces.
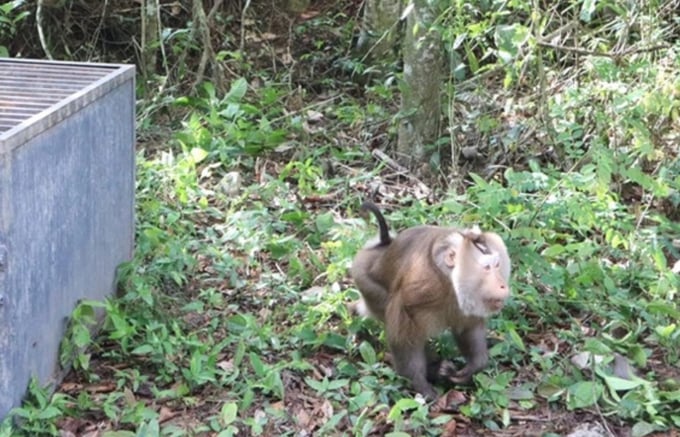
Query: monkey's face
{"x":480,"y":281}
{"x":494,"y":288}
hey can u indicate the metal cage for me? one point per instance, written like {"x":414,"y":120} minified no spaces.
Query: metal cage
{"x":67,"y":135}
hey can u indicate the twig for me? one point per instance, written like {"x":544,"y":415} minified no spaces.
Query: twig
{"x":41,"y":34}
{"x":203,"y":29}
{"x":531,"y":418}
{"x":310,"y":106}
{"x":394,"y":165}
{"x":559,"y":31}
{"x":614,"y":55}
{"x":161,"y":43}
{"x":643,"y":214}
{"x":322,"y":198}
{"x":98,"y":31}
{"x":243,"y":26}
{"x":213,"y":10}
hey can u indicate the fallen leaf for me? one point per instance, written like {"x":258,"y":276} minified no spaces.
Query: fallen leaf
{"x":449,"y":429}
{"x":226,"y":365}
{"x":676,"y":267}
{"x":166,"y":414}
{"x":327,"y":409}
{"x":314,"y":116}
{"x":456,"y":397}
{"x":622,"y":367}
{"x":313,"y":292}
{"x":303,"y":419}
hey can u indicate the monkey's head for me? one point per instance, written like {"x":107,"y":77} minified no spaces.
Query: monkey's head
{"x":479,"y":271}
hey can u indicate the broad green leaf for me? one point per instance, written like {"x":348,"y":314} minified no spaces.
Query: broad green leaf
{"x":84,"y":361}
{"x":319,"y":386}
{"x":150,"y":429}
{"x":239,"y":354}
{"x":144,"y":349}
{"x":663,"y":308}
{"x":509,"y":38}
{"x":81,"y":336}
{"x":554,"y":250}
{"x":587,"y":10}
{"x":275,"y":384}
{"x":619,"y":384}
{"x":337,"y":383}
{"x":363,"y":400}
{"x":665,"y":331}
{"x":324,"y":222}
{"x":237,"y":91}
{"x":367,"y":353}
{"x":257,"y":364}
{"x":335,"y":341}
{"x":516,"y":339}
{"x":616,"y":384}
{"x":198,"y":154}
{"x":402,"y":405}
{"x":641,"y":429}
{"x":583,"y":394}
{"x":521,"y":393}
{"x":49,"y":413}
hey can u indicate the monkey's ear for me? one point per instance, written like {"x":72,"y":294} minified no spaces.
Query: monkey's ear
{"x":473,"y":233}
{"x":450,"y":257}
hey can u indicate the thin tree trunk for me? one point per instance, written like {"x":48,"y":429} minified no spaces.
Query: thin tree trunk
{"x":379,"y":32}
{"x":150,"y":36}
{"x":422,"y":86}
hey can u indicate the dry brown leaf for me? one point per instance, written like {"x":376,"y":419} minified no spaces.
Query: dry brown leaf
{"x":449,"y":429}
{"x":166,"y":414}
{"x":226,"y":365}
{"x":303,"y":419}
{"x":327,"y":409}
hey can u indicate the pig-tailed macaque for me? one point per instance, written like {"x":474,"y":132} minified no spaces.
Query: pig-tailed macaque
{"x":428,"y":279}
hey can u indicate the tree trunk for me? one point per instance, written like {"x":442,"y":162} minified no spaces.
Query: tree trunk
{"x":421,"y":87}
{"x":150,"y":37}
{"x":379,"y":32}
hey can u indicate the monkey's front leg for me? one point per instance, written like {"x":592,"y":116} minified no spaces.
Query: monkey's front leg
{"x":472,"y":345}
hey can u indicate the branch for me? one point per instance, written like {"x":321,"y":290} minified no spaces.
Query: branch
{"x":41,"y":34}
{"x":243,"y":26}
{"x":394,"y":165}
{"x":614,"y":55}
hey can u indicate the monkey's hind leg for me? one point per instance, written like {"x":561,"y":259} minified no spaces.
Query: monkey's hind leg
{"x":434,"y":363}
{"x":410,"y":361}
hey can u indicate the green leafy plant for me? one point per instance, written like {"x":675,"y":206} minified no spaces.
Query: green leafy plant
{"x":38,"y":413}
{"x":78,"y":337}
{"x":12,"y":13}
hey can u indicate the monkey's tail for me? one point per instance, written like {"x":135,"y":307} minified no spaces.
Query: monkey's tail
{"x":385,"y":238}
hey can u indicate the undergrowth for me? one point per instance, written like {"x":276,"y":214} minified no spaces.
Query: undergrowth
{"x":232,"y":318}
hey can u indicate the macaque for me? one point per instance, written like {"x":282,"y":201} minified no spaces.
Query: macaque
{"x":428,"y":279}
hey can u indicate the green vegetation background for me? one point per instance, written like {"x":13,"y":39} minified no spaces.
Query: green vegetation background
{"x":232,"y":320}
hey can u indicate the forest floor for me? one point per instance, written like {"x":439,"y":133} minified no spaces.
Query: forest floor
{"x":232,"y":318}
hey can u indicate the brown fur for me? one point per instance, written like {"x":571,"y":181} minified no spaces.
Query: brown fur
{"x":409,"y":283}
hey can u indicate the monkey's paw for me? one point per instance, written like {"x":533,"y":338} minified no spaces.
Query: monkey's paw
{"x":449,"y":373}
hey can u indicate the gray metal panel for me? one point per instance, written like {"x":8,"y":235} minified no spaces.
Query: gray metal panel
{"x":36,"y":95}
{"x":66,"y":221}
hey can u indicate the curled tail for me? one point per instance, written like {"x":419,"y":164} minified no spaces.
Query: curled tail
{"x":385,"y":238}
